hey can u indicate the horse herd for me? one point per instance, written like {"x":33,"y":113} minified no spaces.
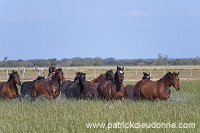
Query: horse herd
{"x":107,"y":86}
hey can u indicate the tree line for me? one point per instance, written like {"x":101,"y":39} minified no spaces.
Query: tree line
{"x":98,"y":61}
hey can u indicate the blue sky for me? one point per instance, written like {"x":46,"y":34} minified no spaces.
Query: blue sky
{"x":128,"y":29}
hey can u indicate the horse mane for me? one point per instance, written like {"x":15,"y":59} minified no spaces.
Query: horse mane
{"x":167,"y":75}
{"x":99,"y":78}
{"x":11,"y":74}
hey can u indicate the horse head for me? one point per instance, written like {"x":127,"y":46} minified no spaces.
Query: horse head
{"x":80,"y":78}
{"x":175,"y":81}
{"x":119,"y":74}
{"x":15,"y":76}
{"x":40,"y":78}
{"x":60,"y":74}
{"x":109,"y":75}
{"x":146,"y":75}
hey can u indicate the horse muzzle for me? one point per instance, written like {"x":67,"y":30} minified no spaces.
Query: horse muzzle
{"x":121,"y":80}
{"x":19,"y":84}
{"x":177,"y":89}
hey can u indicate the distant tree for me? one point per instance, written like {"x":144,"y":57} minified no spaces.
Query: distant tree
{"x":162,"y":60}
{"x":5,"y":58}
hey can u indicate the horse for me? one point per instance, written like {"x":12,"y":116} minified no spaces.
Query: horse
{"x":91,"y":84}
{"x":113,"y":89}
{"x":9,"y":90}
{"x":23,"y":70}
{"x":26,"y":87}
{"x":129,"y":89}
{"x":48,"y":89}
{"x":157,"y":90}
{"x":68,"y":82}
{"x":146,"y":76}
{"x":75,"y":88}
{"x":39,"y":70}
{"x":92,"y":89}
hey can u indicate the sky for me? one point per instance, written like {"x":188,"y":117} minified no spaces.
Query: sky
{"x":120,"y":29}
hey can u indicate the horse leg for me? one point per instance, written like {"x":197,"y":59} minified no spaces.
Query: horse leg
{"x":168,"y":99}
{"x":20,"y":99}
{"x":33,"y":95}
{"x":123,"y":99}
{"x":157,"y":99}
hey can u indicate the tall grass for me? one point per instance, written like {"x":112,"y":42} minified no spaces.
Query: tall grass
{"x":64,"y":115}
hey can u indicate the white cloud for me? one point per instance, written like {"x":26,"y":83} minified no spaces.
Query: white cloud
{"x":135,"y":13}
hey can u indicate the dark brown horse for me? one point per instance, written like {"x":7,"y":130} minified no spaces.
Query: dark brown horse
{"x":146,"y":76}
{"x":65,"y":84}
{"x":92,"y":89}
{"x":9,"y":90}
{"x":159,"y":90}
{"x":88,"y":85}
{"x":75,"y":88}
{"x":48,"y":89}
{"x":129,"y":89}
{"x":113,"y":89}
{"x":26,"y":87}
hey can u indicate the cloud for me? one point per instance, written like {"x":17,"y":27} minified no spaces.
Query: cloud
{"x":135,"y":13}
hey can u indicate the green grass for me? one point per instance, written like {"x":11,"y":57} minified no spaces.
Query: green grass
{"x":64,"y":115}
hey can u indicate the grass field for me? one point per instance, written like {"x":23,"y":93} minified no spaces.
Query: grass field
{"x":64,"y":115}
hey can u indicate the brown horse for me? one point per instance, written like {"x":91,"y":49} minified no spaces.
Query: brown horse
{"x":159,"y":90}
{"x":49,"y":89}
{"x":9,"y":90}
{"x":129,"y":89}
{"x":113,"y":89}
{"x":92,"y":89}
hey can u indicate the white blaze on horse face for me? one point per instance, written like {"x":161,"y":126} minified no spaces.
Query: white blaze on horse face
{"x":121,"y":71}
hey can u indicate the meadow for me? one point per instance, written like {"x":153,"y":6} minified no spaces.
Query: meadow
{"x":64,"y":115}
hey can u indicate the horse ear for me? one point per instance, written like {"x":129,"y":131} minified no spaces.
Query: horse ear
{"x":84,"y":73}
{"x":169,"y":74}
{"x":117,"y":67}
{"x":123,"y":68}
{"x":176,"y":73}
